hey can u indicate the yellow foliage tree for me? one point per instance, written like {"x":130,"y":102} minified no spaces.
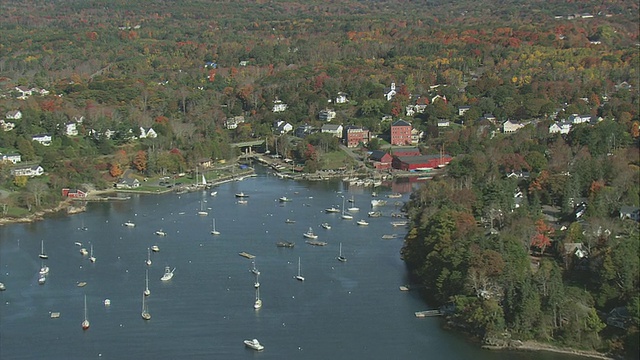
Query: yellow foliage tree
{"x":20,"y":181}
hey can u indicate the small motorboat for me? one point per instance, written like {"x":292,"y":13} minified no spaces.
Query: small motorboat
{"x":168,"y":274}
{"x":326,"y":226}
{"x":161,"y":233}
{"x":362,"y":222}
{"x":254,"y":344}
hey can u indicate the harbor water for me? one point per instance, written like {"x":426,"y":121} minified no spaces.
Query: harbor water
{"x":342,"y":310}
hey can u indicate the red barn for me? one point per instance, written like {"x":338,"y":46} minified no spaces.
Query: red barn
{"x":73,"y":193}
{"x":381,"y":160}
{"x":418,"y":163}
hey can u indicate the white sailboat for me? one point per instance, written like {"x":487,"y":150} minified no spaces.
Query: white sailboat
{"x":213,"y":228}
{"x":299,"y":276}
{"x":202,"y":211}
{"x":204,"y":180}
{"x":146,"y":291}
{"x":340,"y":257}
{"x":353,"y":206}
{"x":257,"y":283}
{"x":148,"y":261}
{"x":91,"y":257}
{"x":85,"y":322}
{"x":42,"y":255}
{"x":345,"y":215}
{"x":258,"y":303}
{"x":254,"y":270}
{"x":145,"y":313}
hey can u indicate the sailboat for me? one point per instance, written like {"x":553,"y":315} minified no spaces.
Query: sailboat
{"x":353,"y":205}
{"x":148,"y":261}
{"x":85,"y":322}
{"x":258,"y":304}
{"x":202,"y":211}
{"x":204,"y":181}
{"x":345,"y":215}
{"x":146,"y":292}
{"x":254,"y":270}
{"x":340,"y":257}
{"x":145,"y":313}
{"x":91,"y":257}
{"x":257,"y":283}
{"x":42,"y":253}
{"x":299,"y":276}
{"x":213,"y":228}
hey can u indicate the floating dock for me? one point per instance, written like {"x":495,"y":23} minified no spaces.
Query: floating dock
{"x":247,"y":255}
{"x":426,"y":313}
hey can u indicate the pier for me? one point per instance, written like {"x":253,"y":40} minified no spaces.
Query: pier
{"x":428,"y":313}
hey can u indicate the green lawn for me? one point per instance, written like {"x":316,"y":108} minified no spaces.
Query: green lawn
{"x":336,"y":159}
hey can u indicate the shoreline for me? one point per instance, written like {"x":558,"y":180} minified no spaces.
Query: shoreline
{"x":533,"y":346}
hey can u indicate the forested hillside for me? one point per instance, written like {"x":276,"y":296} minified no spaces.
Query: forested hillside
{"x":151,"y":88}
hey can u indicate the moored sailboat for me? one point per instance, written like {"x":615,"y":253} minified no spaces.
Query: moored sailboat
{"x":299,"y":276}
{"x":146,"y":291}
{"x":148,"y":261}
{"x":85,"y":322}
{"x":340,"y":257}
{"x":42,"y":255}
{"x":213,"y":228}
{"x":145,"y":312}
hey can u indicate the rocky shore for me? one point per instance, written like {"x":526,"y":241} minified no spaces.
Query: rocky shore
{"x":536,"y":346}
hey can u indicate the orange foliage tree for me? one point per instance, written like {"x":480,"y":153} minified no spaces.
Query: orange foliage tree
{"x":140,"y":161}
{"x":115,"y":170}
{"x":542,"y":238}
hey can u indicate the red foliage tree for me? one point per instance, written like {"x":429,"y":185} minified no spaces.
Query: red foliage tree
{"x":542,"y":238}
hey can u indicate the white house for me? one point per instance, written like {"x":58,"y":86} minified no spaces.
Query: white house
{"x":7,"y":125}
{"x":13,"y":158}
{"x":342,"y":98}
{"x":279,"y":106}
{"x":282,"y":127}
{"x":579,"y":119}
{"x":151,"y":134}
{"x":463,"y":109}
{"x":443,"y":123}
{"x":232,"y":122}
{"x":24,"y":91}
{"x":127,"y":183}
{"x":326,"y":115}
{"x":333,"y":129}
{"x":30,"y":171}
{"x":13,"y":115}
{"x":390,"y":92}
{"x":416,"y":136}
{"x":511,"y":126}
{"x":44,"y":139}
{"x":560,"y":128}
{"x":71,"y":129}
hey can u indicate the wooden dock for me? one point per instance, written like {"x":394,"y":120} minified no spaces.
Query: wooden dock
{"x":428,"y":313}
{"x":247,"y":255}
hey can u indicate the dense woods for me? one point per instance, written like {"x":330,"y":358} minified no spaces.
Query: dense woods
{"x":184,"y":68}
